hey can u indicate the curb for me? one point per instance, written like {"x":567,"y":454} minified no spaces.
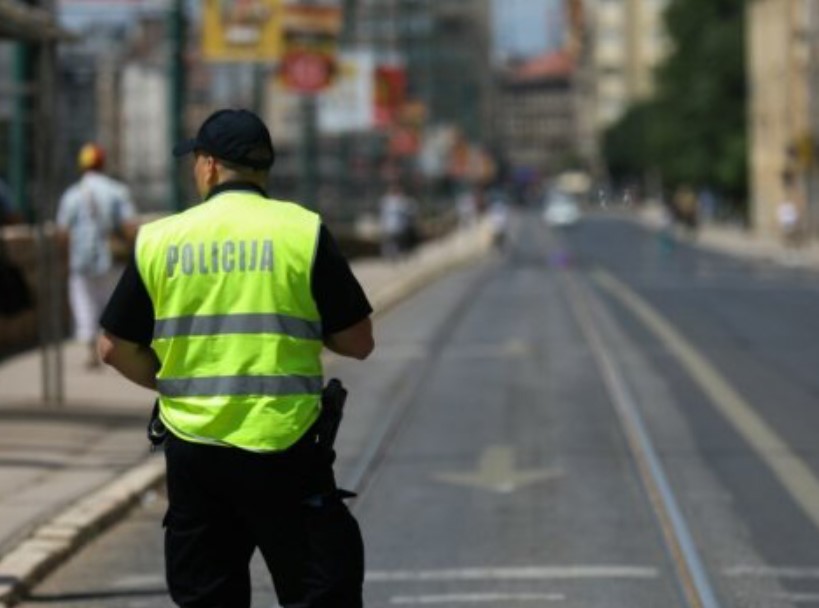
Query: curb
{"x":426,"y":266}
{"x":52,"y":543}
{"x":738,"y":243}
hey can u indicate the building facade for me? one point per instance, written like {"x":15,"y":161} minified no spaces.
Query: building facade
{"x":444,"y":47}
{"x":537,"y":122}
{"x":627,"y":40}
{"x":783,"y":74}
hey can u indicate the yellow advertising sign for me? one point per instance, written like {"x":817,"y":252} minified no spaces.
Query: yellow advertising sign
{"x":241,"y":30}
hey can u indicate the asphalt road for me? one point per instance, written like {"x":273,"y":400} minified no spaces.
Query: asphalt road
{"x":590,"y":419}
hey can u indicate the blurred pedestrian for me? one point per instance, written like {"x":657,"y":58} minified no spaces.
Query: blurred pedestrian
{"x":92,"y":213}
{"x":789,"y":220}
{"x":499,"y":222}
{"x":223,"y":311}
{"x":466,"y":207}
{"x":685,"y":209}
{"x":398,"y":213}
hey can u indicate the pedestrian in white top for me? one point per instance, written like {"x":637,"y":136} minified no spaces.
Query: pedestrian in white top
{"x":788,"y":217}
{"x":91,"y":212}
{"x":397,"y":218}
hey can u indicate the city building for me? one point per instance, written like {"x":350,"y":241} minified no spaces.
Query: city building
{"x":444,"y":47}
{"x":538,"y":124}
{"x":627,"y":41}
{"x":784,"y":109}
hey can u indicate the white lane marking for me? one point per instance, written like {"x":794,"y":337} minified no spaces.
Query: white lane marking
{"x":799,"y":598}
{"x":496,"y":472}
{"x":789,"y":572}
{"x":140,"y":580}
{"x":691,"y":572}
{"x":476,"y":598}
{"x":512,"y":348}
{"x":793,"y":473}
{"x":521,"y":573}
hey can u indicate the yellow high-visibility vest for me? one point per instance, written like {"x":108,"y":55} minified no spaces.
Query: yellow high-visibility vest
{"x":237,"y":331}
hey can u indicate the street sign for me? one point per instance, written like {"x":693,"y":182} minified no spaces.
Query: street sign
{"x":307,"y":71}
{"x":310,"y":36}
{"x":241,"y":30}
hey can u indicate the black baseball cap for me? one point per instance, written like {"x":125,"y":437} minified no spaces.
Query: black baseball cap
{"x":236,"y":136}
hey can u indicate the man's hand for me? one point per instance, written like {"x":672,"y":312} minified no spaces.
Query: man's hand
{"x":356,"y":341}
{"x":136,"y":362}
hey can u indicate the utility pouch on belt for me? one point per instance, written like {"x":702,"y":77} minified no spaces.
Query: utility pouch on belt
{"x":333,"y":397}
{"x":157,"y":432}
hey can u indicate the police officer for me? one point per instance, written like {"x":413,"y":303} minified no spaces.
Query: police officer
{"x":224,"y":311}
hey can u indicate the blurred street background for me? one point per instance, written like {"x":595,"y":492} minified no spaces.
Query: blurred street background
{"x":591,"y":231}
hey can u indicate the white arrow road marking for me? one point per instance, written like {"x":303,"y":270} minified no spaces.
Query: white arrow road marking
{"x":512,"y":348}
{"x":497,"y":473}
{"x":536,"y":573}
{"x":476,"y":598}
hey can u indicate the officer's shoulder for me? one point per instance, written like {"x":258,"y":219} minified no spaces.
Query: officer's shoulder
{"x":161,"y":223}
{"x":295,"y":208}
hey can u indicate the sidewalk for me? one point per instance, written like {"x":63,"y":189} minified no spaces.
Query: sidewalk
{"x":68,"y":471}
{"x":735,"y":241}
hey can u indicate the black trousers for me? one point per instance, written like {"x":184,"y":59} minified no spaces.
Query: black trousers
{"x":224,"y":503}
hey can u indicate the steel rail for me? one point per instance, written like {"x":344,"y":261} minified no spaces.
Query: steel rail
{"x":692,"y":575}
{"x":406,"y":391}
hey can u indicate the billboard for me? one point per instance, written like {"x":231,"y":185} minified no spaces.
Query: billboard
{"x":241,"y":30}
{"x":347,"y":106}
{"x":390,"y":93}
{"x":310,"y":37}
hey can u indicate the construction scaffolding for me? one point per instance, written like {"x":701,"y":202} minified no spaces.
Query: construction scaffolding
{"x":37,"y":33}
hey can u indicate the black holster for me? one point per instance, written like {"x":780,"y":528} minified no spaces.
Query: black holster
{"x":156,"y":431}
{"x":333,"y":397}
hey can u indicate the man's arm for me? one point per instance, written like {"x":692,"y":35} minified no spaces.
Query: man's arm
{"x":356,"y":341}
{"x":138,"y":363}
{"x":342,"y":304}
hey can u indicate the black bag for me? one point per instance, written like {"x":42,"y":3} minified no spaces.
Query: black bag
{"x":15,"y":294}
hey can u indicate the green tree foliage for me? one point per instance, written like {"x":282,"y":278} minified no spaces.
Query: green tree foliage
{"x":693,"y":131}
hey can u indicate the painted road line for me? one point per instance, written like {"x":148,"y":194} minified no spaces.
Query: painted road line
{"x":691,"y":573}
{"x":497,"y":473}
{"x":533,"y":573}
{"x":792,"y":472}
{"x":781,"y":572}
{"x":476,"y":598}
{"x":798,"y":598}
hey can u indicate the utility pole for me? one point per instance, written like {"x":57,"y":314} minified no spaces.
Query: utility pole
{"x":49,"y":263}
{"x":309,"y":150}
{"x":348,"y":32}
{"x":812,"y":206}
{"x":176,"y":96}
{"x":347,"y":40}
{"x":18,"y":136}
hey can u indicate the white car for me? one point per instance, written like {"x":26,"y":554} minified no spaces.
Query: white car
{"x":561,"y":210}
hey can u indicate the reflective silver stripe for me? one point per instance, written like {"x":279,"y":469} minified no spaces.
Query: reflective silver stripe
{"x":240,"y":385}
{"x":215,"y":325}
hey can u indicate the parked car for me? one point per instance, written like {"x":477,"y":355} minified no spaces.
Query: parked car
{"x":561,"y":209}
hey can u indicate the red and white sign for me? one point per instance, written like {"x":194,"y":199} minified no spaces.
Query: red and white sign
{"x":306,"y":71}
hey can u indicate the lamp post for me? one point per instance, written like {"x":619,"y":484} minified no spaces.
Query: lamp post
{"x":18,"y":141}
{"x":176,"y":96}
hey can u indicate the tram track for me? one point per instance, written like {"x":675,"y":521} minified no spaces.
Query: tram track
{"x":696,"y":588}
{"x":691,"y":576}
{"x":405,"y":391}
